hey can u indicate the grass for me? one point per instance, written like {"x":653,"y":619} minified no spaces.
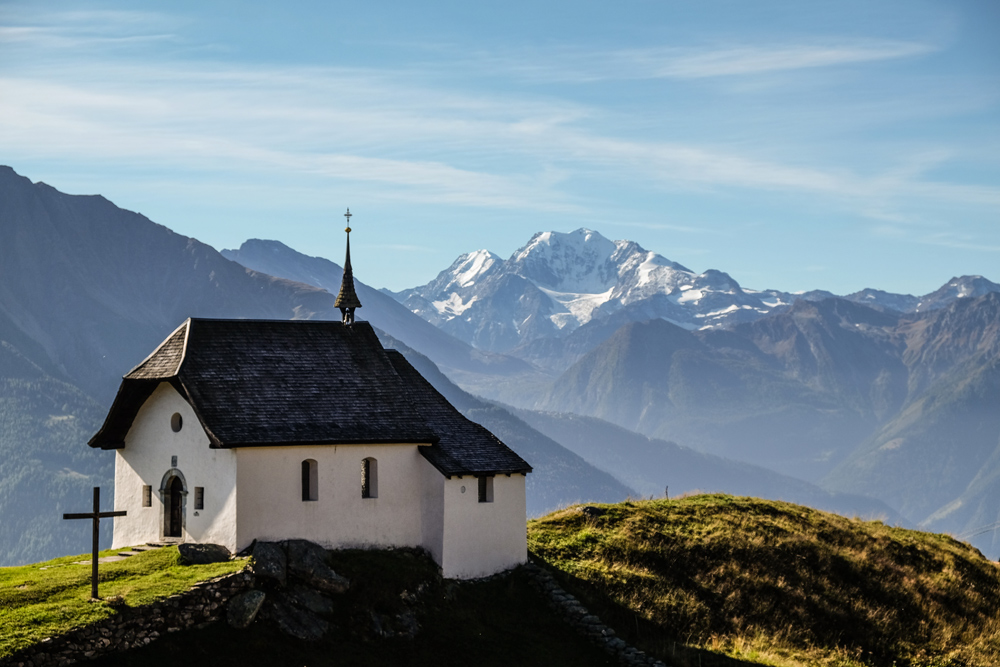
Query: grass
{"x":47,"y":599}
{"x":715,"y":579}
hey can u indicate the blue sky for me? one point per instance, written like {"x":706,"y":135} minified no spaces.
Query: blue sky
{"x":835,"y":145}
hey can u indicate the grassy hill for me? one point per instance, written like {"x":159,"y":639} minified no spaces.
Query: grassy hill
{"x":708,"y":580}
{"x":715,"y":579}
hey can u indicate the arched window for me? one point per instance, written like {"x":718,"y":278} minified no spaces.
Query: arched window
{"x":310,"y":480}
{"x":369,"y":478}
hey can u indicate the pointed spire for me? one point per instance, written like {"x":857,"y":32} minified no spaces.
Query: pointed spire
{"x":347,"y":299}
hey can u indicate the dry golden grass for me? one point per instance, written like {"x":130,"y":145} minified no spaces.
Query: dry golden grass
{"x":777,"y":584}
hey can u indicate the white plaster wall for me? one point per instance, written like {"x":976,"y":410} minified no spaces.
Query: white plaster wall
{"x":483,"y":538}
{"x":145,"y":459}
{"x":432,"y":510}
{"x":270,"y":503}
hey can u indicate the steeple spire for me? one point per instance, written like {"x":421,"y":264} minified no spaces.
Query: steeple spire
{"x":347,"y":299}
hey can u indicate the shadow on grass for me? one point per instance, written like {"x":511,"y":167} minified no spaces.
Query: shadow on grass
{"x":649,"y":637}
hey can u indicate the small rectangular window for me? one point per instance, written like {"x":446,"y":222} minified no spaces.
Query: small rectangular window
{"x":199,"y":497}
{"x":147,"y":495}
{"x":369,"y":478}
{"x":486,"y":489}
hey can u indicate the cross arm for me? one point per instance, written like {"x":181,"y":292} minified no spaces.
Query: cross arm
{"x":91,"y":515}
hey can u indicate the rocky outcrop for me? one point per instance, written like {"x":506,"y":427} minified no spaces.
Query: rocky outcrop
{"x":308,"y":563}
{"x":295,"y":582}
{"x":270,"y":562}
{"x":243,"y":608}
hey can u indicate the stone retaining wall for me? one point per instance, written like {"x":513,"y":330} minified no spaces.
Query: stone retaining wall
{"x":574,"y":613}
{"x":132,"y":627}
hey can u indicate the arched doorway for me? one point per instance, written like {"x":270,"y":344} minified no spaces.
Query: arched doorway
{"x":173,"y":493}
{"x":174,"y":518}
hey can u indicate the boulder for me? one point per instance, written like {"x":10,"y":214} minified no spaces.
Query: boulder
{"x":243,"y":608}
{"x":310,"y":600}
{"x":307,"y":562}
{"x":298,"y":623}
{"x":269,"y":562}
{"x":203,"y":554}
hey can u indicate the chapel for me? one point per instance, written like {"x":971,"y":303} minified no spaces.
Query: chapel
{"x":236,"y":430}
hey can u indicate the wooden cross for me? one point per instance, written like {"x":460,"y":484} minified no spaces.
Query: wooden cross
{"x":96,"y":515}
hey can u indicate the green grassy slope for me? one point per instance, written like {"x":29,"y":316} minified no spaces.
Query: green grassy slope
{"x":709,"y":578}
{"x":47,"y":599}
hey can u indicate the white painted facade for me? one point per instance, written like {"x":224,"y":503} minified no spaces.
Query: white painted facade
{"x":256,"y":493}
{"x":147,"y":459}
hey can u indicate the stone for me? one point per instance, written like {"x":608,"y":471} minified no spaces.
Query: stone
{"x":269,"y":562}
{"x":307,"y":562}
{"x":311,"y":600}
{"x":296,"y":622}
{"x":203,"y":554}
{"x":243,"y":608}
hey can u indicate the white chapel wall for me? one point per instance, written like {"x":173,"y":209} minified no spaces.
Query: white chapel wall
{"x":483,"y":538}
{"x":432,"y":510}
{"x":271,"y":506}
{"x":146,"y":458}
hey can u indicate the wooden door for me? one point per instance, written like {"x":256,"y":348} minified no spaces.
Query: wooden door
{"x":176,"y":499}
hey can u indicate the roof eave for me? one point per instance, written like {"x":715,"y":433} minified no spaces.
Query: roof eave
{"x":311,"y":443}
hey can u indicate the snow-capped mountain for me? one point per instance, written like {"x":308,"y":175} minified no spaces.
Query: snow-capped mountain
{"x":963,"y":287}
{"x":560,"y":282}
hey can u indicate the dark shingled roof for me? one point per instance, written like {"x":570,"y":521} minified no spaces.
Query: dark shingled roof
{"x":277,"y":382}
{"x":464,"y":447}
{"x":347,"y":297}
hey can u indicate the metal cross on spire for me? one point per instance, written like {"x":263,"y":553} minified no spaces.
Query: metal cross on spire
{"x":347,"y":299}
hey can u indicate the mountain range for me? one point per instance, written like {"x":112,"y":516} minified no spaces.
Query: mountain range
{"x":614,"y":371}
{"x":581,"y":287}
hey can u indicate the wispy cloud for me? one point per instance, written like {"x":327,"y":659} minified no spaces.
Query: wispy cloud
{"x":84,"y":30}
{"x":581,"y":66}
{"x":956,"y":240}
{"x":427,"y":143}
